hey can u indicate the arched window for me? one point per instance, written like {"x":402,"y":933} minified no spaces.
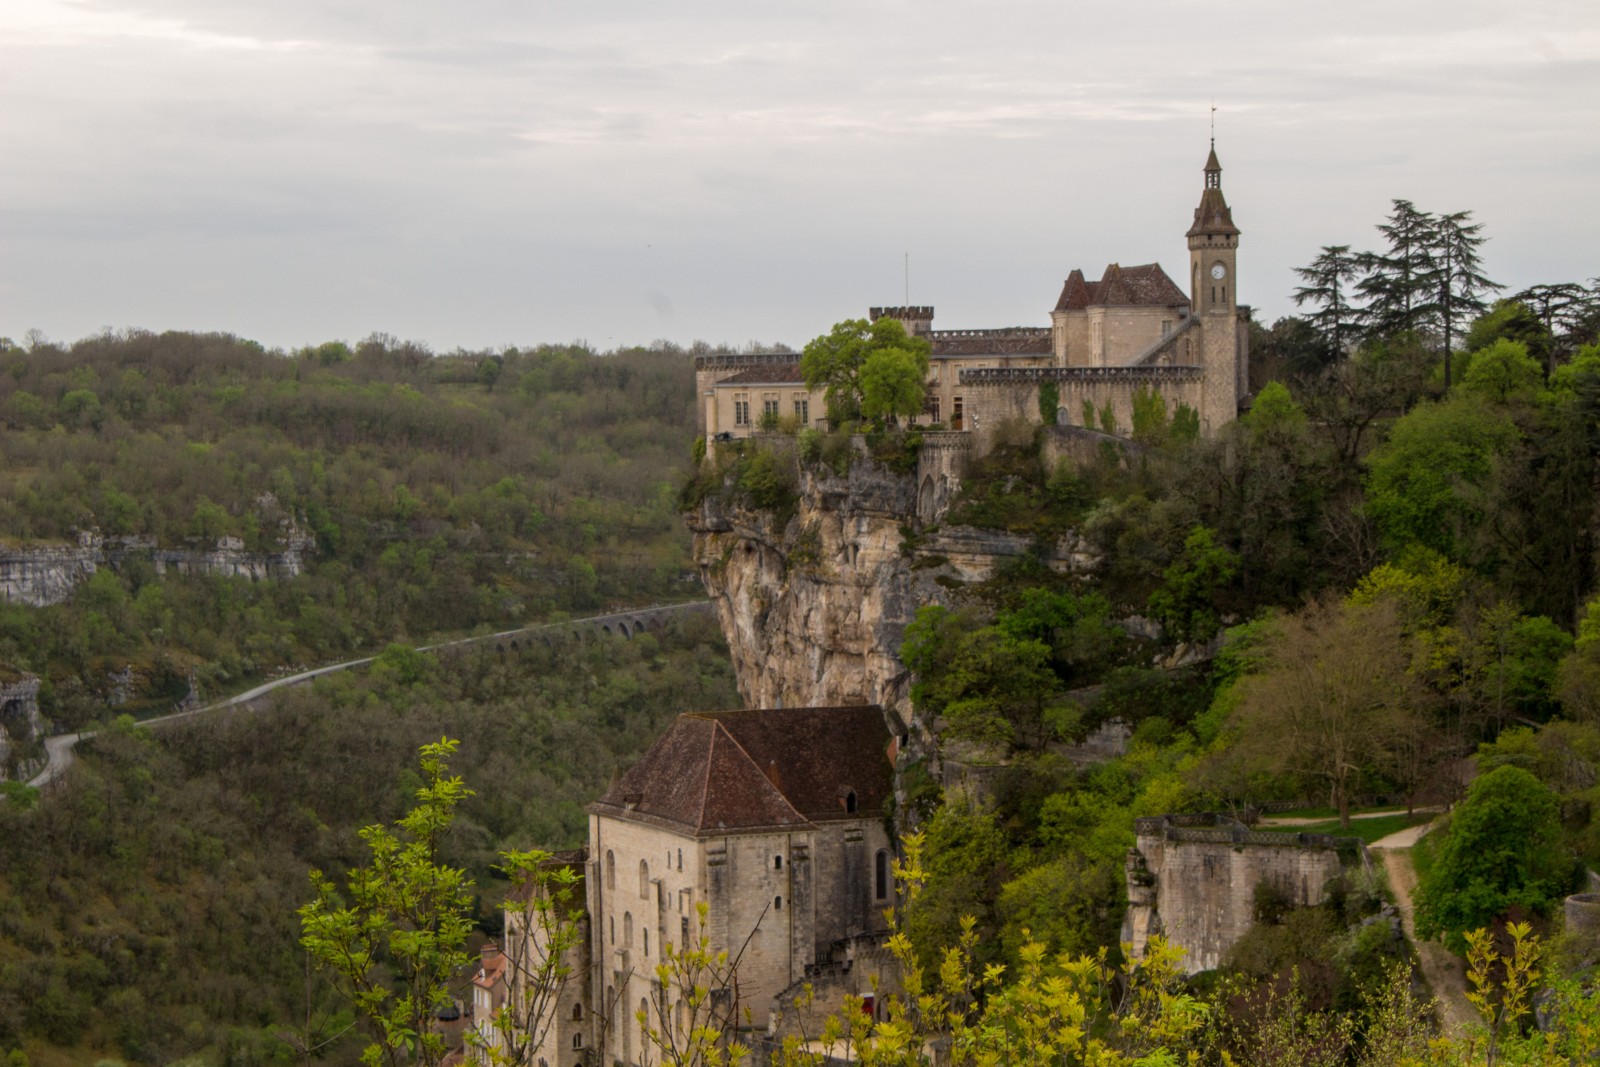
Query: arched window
{"x":644,"y":1023}
{"x":577,"y":1040}
{"x":850,"y":802}
{"x":680,"y":859}
{"x":777,"y":863}
{"x":627,"y":929}
{"x":611,"y":869}
{"x":577,"y":1012}
{"x":777,"y":903}
{"x":644,"y":879}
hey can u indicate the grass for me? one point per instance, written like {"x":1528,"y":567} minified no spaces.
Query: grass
{"x":1369,"y":830}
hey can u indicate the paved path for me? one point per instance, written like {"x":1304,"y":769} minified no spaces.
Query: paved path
{"x":1439,"y":965}
{"x":59,"y":748}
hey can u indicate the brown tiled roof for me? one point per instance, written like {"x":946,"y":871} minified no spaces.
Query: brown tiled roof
{"x":772,"y":374}
{"x":1013,"y":341}
{"x":1146,"y":285}
{"x":714,"y":772}
{"x":1213,"y":216}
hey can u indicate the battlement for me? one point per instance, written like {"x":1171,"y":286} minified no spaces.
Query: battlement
{"x":924,"y":311}
{"x":741,"y":360}
{"x":1209,"y":828}
{"x":1031,"y":333}
{"x":1039,"y":375}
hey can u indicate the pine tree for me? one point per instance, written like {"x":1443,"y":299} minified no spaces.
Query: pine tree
{"x":1564,"y":309}
{"x":1460,"y":287}
{"x":1325,"y":286}
{"x":1399,"y":284}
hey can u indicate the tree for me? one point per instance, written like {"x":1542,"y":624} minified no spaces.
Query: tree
{"x":835,"y":363}
{"x":1563,"y":309}
{"x":1398,"y":284}
{"x":543,"y":926}
{"x":1326,"y":279}
{"x":1334,"y":693}
{"x":408,"y":916}
{"x":1512,"y":320}
{"x":1453,"y":248}
{"x":1503,"y":373}
{"x":1186,"y":603}
{"x":893,"y":383}
{"x":1501,"y":850}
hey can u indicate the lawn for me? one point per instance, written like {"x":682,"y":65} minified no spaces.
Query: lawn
{"x":1369,"y":830}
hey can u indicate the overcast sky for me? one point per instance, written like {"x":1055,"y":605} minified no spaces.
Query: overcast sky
{"x":496,"y":172}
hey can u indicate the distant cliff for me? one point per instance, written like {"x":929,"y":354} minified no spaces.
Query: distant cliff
{"x":46,"y":573}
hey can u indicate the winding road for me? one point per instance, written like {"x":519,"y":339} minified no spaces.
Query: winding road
{"x":59,"y":747}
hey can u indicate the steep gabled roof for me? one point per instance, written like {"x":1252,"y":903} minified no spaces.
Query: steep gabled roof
{"x":1145,"y":285}
{"x":716,"y":772}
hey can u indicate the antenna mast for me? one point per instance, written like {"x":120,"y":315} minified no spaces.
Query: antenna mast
{"x":908,"y":279}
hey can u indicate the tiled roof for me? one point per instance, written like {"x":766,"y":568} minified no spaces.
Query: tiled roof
{"x":1146,"y":285}
{"x":1213,"y":216}
{"x":772,"y":374}
{"x":1014,"y":341}
{"x":715,"y":772}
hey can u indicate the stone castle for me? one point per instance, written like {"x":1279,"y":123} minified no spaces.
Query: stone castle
{"x":1134,"y":329}
{"x":772,"y":826}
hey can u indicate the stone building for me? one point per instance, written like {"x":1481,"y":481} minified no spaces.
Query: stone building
{"x":1193,"y":879}
{"x":775,"y":820}
{"x":1133,"y":329}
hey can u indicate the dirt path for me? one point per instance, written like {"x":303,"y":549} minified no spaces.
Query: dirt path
{"x":1439,"y":966}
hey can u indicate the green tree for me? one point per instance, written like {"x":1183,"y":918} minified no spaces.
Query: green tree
{"x":835,"y":363}
{"x":408,"y":915}
{"x":893,"y":384}
{"x":1186,"y":603}
{"x":1459,"y":282}
{"x":1503,"y":373}
{"x":1502,"y":849}
{"x":1328,"y":279}
{"x":1512,"y":320}
{"x":1398,"y":284}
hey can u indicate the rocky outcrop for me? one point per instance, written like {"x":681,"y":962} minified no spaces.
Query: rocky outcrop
{"x":21,"y":726}
{"x":814,"y":609}
{"x":43,"y":574}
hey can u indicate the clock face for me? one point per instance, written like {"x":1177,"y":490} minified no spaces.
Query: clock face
{"x":1218,"y":271}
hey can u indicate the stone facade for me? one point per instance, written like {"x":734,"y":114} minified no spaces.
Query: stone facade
{"x":764,"y":833}
{"x":1192,"y":879}
{"x":1133,"y":329}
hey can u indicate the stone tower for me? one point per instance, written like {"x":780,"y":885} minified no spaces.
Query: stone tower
{"x":1214,"y":291}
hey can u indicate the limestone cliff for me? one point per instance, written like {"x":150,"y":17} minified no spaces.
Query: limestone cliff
{"x":41,"y":574}
{"x":814,"y":609}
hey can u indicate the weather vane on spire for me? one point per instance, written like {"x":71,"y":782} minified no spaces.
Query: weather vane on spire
{"x":1213,"y":124}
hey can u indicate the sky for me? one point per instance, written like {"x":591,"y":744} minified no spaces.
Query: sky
{"x":497,"y":172}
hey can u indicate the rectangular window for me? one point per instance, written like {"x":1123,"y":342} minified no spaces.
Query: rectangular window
{"x":741,"y":409}
{"x":930,"y":407}
{"x":802,"y":410}
{"x":1166,"y":327}
{"x":769,"y":405}
{"x":956,"y":413}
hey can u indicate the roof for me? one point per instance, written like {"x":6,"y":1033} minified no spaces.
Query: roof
{"x":1012,"y":341}
{"x":1145,"y":285}
{"x":762,"y":769}
{"x":771,"y":374}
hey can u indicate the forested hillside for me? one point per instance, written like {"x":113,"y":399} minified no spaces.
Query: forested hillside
{"x":440,"y":494}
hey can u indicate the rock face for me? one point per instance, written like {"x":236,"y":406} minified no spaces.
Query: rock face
{"x":43,"y":574}
{"x":21,"y":727}
{"x":814,"y":610}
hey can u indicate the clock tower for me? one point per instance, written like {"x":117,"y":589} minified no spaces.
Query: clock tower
{"x":1214,"y":299}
